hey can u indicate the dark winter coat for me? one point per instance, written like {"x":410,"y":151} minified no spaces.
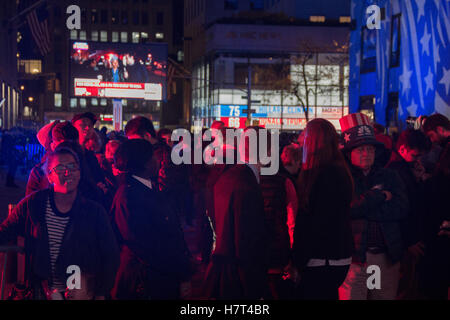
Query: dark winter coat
{"x":323,"y":230}
{"x":369,"y":205}
{"x":412,"y":227}
{"x":238,"y":264}
{"x":151,"y":239}
{"x":275,"y":210}
{"x":88,"y":242}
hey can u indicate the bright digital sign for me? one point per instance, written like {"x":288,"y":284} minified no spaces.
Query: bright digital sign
{"x":112,"y":70}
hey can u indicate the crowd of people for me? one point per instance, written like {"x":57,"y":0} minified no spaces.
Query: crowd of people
{"x":115,"y":205}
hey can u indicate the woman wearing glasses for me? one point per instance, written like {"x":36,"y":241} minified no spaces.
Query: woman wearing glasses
{"x":64,"y":232}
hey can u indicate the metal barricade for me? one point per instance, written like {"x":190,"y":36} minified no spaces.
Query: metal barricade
{"x":19,"y":263}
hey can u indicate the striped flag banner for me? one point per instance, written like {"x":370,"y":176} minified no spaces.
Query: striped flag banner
{"x":40,"y":31}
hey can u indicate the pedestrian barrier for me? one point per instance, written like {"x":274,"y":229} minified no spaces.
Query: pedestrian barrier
{"x":6,"y":250}
{"x":18,"y":261}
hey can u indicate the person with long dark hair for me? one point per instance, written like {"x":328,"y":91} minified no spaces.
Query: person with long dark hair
{"x":322,"y":246}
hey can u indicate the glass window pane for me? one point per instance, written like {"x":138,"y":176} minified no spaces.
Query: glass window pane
{"x":103,"y":36}
{"x":94,"y":35}
{"x":135,"y":36}
{"x":83,"y":103}
{"x":124,"y":36}
{"x":58,"y":99}
{"x":82,"y":35}
{"x":73,"y":34}
{"x":115,"y":36}
{"x":73,"y":102}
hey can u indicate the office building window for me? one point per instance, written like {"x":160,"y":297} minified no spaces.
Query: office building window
{"x":135,"y":18}
{"x":180,"y":55}
{"x":58,"y":100}
{"x":83,"y":102}
{"x":124,"y":102}
{"x":115,"y":16}
{"x":367,"y":106}
{"x":83,"y":16}
{"x":345,"y":19}
{"x":104,"y":16}
{"x":73,"y":34}
{"x":73,"y":102}
{"x":159,"y":35}
{"x":103,"y":102}
{"x":115,"y":36}
{"x":317,"y":18}
{"x":94,"y":101}
{"x":144,"y":18}
{"x":124,"y":17}
{"x":256,"y":4}
{"x":104,"y":36}
{"x":395,"y":41}
{"x":230,"y":4}
{"x":135,"y":37}
{"x":160,"y":18}
{"x":82,"y":35}
{"x":124,"y":36}
{"x":94,"y":35}
{"x":94,"y":16}
{"x":368,"y":50}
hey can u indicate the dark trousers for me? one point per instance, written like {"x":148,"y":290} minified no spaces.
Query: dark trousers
{"x":281,"y":289}
{"x":321,"y":283}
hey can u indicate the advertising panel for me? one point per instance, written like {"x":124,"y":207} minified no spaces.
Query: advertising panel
{"x":118,"y":70}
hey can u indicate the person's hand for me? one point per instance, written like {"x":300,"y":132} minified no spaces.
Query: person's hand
{"x":445,"y":229}
{"x":291,"y":273}
{"x":103,"y":187}
{"x":417,"y":250}
{"x":185,"y":290}
{"x":387,"y":194}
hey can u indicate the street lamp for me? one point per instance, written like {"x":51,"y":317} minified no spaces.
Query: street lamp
{"x":30,"y":99}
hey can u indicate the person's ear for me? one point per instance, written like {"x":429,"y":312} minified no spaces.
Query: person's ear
{"x":402,"y":150}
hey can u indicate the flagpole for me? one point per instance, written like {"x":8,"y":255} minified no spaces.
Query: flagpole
{"x":26,"y":10}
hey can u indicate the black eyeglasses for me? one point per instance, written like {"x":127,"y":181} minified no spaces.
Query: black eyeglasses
{"x":64,"y":168}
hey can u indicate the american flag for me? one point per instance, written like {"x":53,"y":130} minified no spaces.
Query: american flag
{"x":39,"y":30}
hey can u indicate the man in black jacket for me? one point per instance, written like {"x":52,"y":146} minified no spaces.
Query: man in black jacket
{"x":379,"y":206}
{"x":154,"y":255}
{"x":411,"y":145}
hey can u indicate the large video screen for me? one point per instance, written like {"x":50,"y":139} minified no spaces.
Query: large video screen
{"x":118,"y":70}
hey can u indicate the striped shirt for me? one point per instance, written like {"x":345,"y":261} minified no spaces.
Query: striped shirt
{"x":56,"y":225}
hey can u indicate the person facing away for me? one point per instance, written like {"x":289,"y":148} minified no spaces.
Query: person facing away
{"x":162,"y":170}
{"x":323,"y":243}
{"x":238,"y":264}
{"x":62,"y":229}
{"x":379,"y":206}
{"x":154,"y":256}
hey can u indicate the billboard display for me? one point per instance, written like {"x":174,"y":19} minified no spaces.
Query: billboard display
{"x":118,"y":70}
{"x":276,"y":117}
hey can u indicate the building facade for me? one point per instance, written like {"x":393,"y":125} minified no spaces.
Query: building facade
{"x":402,"y":69}
{"x":108,"y":21}
{"x":10,"y":97}
{"x":290,"y":63}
